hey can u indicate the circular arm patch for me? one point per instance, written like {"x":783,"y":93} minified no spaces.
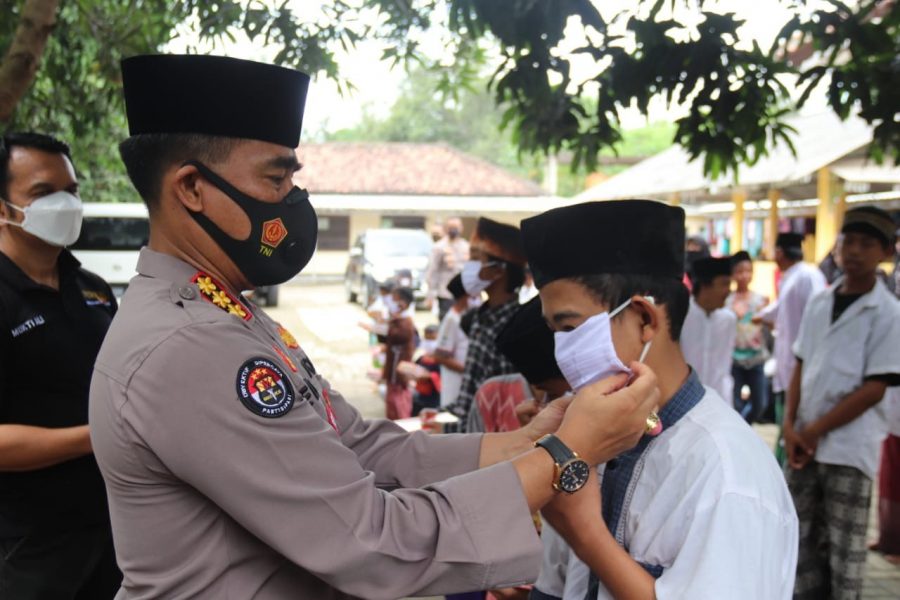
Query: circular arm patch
{"x":264,"y":388}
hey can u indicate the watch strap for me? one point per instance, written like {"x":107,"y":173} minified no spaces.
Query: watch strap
{"x":560,"y":453}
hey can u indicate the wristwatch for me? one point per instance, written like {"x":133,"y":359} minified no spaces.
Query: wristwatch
{"x":571,"y":471}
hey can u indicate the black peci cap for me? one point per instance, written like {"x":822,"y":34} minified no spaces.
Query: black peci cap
{"x":214,"y":95}
{"x":527,"y":342}
{"x":707,"y":269}
{"x":789,"y":240}
{"x":640,"y":237}
{"x":455,"y":287}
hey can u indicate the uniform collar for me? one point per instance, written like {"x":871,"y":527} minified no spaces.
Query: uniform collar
{"x":164,"y":266}
{"x":13,"y":275}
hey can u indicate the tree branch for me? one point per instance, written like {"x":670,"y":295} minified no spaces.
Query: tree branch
{"x":20,"y":63}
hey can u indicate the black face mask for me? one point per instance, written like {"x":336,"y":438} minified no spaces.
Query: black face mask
{"x":282,"y":234}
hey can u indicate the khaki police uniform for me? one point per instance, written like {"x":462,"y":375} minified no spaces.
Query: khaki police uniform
{"x":234,"y":470}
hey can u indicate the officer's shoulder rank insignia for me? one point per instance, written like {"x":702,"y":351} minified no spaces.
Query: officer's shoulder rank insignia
{"x":264,"y":388}
{"x":212,"y":291}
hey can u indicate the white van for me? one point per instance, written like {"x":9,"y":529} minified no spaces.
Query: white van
{"x":111,"y":239}
{"x":112,"y":236}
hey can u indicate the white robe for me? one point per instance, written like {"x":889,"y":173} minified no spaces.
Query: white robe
{"x":798,"y":284}
{"x":709,"y":505}
{"x":707,"y":341}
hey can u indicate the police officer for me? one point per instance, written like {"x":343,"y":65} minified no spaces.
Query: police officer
{"x":233,"y":468}
{"x":55,"y":539}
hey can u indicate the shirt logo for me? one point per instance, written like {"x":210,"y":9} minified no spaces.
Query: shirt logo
{"x":263,"y":388}
{"x":27,"y":326}
{"x":92,"y":298}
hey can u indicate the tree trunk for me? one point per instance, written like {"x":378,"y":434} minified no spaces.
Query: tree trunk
{"x":23,"y":57}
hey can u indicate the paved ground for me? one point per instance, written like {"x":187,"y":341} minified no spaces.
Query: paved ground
{"x":326,"y":326}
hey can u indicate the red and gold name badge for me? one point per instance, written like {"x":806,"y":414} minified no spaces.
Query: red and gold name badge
{"x":212,"y":291}
{"x":287,"y":359}
{"x":287,"y":337}
{"x":332,"y":420}
{"x":273,"y":233}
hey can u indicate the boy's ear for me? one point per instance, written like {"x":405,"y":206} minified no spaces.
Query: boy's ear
{"x":650,"y":315}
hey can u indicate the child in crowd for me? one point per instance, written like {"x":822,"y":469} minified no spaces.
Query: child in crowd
{"x":401,"y":344}
{"x":428,"y":389}
{"x":847,"y":354}
{"x":750,"y":351}
{"x":707,"y":338}
{"x":452,"y":343}
{"x":699,"y":508}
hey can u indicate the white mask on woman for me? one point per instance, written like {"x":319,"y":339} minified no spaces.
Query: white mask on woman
{"x":55,"y":219}
{"x":587,"y":354}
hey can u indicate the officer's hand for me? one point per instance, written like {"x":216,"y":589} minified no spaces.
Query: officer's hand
{"x":577,"y":517}
{"x":605,"y":418}
{"x":548,"y":419}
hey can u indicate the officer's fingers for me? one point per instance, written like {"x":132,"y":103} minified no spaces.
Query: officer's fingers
{"x":604,"y":387}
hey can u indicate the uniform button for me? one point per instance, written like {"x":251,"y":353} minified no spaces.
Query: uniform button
{"x":187,"y":292}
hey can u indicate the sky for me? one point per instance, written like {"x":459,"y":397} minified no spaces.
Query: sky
{"x":377,"y":84}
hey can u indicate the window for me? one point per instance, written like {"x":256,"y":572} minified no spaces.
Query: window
{"x":402,"y":222}
{"x":334,"y":232}
{"x":113,"y":233}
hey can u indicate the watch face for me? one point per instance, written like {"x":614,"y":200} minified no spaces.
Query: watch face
{"x":574,"y":475}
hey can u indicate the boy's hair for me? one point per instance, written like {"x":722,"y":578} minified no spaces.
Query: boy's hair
{"x":431,"y":330}
{"x":26,"y":139}
{"x":614,"y":289}
{"x":405,"y":294}
{"x":515,"y":273}
{"x":147,"y":156}
{"x":386,"y":286}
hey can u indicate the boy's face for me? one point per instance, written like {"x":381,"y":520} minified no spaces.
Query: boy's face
{"x":567,"y":304}
{"x":861,"y":253}
{"x":401,"y":303}
{"x":431,"y":334}
{"x":718,"y":291}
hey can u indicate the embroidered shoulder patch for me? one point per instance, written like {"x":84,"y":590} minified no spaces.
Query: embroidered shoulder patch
{"x":263,"y":388}
{"x":212,"y":291}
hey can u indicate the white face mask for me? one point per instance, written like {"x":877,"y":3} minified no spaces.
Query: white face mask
{"x":56,"y":218}
{"x":391,"y":305}
{"x":587,"y":354}
{"x":428,"y":346}
{"x":472,"y":283}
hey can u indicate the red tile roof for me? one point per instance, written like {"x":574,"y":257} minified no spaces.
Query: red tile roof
{"x":404,"y":168}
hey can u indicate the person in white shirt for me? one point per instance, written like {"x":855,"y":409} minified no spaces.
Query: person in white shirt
{"x":847,"y":355}
{"x":452,"y":343}
{"x":699,"y":508}
{"x":708,"y":336}
{"x":799,"y":282}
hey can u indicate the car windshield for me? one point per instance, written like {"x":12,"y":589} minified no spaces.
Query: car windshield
{"x":113,"y":233}
{"x":413,"y":243}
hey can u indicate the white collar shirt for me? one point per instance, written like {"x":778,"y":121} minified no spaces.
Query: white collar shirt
{"x":707,"y":341}
{"x":709,"y":507}
{"x":799,"y":283}
{"x":837,"y":358}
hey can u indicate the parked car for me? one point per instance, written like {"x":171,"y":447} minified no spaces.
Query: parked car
{"x":382,"y":254}
{"x":111,"y":239}
{"x":112,"y":236}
